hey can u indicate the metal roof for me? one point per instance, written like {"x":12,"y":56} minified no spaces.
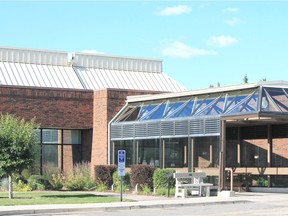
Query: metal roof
{"x":20,"y":74}
{"x":41,"y":68}
{"x":119,"y":79}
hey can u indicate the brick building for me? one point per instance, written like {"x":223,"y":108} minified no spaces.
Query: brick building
{"x":74,"y":99}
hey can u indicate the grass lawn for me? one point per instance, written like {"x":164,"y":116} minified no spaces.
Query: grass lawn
{"x":47,"y":197}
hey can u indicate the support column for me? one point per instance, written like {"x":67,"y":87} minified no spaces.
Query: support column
{"x":211,"y":152}
{"x":162,"y":153}
{"x":269,"y":153}
{"x":222,"y":165}
{"x":113,"y":153}
{"x":239,"y":146}
{"x":191,"y":154}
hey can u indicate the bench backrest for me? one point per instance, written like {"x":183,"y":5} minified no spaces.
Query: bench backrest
{"x":195,"y":177}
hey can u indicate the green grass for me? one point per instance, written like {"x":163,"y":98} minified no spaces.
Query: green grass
{"x":33,"y":198}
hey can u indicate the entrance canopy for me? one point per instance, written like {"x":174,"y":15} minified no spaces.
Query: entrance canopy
{"x":198,"y":113}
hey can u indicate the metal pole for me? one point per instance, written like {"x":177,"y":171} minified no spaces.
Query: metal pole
{"x":121,"y":193}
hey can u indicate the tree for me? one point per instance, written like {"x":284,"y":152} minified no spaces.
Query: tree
{"x":18,"y":145}
{"x":245,"y":79}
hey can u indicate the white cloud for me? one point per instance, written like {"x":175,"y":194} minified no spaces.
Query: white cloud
{"x":222,"y":41}
{"x":177,"y":49}
{"x":230,"y":10}
{"x":234,"y":21}
{"x":91,"y":52}
{"x":177,"y":10}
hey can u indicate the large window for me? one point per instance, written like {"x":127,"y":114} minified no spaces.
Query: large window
{"x":205,"y":152}
{"x":148,"y":152}
{"x":176,"y":153}
{"x":60,"y":149}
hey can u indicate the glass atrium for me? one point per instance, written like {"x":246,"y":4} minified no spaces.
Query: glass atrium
{"x":188,"y":130}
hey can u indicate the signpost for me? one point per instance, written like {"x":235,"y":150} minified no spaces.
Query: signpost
{"x":121,"y":169}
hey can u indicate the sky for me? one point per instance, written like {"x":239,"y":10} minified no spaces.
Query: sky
{"x":201,"y":43}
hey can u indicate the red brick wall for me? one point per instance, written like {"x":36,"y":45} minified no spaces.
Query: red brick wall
{"x":107,"y":103}
{"x":55,"y":108}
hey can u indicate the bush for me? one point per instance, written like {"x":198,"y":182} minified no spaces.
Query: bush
{"x":79,"y":178}
{"x":36,"y":182}
{"x":103,"y":175}
{"x":21,"y":186}
{"x":142,"y":175}
{"x":160,"y":179}
{"x":262,"y":182}
{"x":125,"y":179}
{"x":56,"y":181}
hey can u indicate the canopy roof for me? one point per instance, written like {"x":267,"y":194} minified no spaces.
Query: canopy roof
{"x":259,"y":98}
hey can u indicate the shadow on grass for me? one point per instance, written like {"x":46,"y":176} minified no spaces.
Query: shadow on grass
{"x":74,"y":196}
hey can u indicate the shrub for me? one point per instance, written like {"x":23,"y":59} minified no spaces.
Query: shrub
{"x":125,"y":179}
{"x":112,"y":168}
{"x":160,"y":179}
{"x":142,"y":175}
{"x":262,"y":182}
{"x":101,"y":187}
{"x":56,"y":181}
{"x":36,"y":182}
{"x":103,"y":175}
{"x":79,"y":177}
{"x":21,"y":186}
{"x":164,"y":191}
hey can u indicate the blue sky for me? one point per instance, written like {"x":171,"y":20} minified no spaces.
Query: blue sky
{"x":201,"y":43}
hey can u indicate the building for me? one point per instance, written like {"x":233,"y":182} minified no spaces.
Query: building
{"x":242,"y":128}
{"x":74,"y":99}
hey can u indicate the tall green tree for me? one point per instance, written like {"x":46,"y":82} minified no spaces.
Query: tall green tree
{"x":245,"y":79}
{"x":18,"y":145}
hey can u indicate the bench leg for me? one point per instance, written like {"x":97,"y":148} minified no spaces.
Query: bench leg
{"x":182,"y":192}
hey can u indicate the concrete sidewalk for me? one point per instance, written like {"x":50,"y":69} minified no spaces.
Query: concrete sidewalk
{"x":142,"y":201}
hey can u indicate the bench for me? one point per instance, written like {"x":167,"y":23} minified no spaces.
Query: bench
{"x":191,"y":181}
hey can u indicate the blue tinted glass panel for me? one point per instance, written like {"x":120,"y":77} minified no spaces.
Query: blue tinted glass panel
{"x":187,"y":110}
{"x":171,"y":113}
{"x":279,"y":98}
{"x":158,"y":114}
{"x":146,"y":111}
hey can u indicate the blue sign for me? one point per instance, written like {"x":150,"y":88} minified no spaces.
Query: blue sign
{"x":121,"y":162}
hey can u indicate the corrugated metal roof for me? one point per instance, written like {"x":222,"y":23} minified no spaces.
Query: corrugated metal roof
{"x":36,"y":75}
{"x":41,"y":68}
{"x":104,"y":78}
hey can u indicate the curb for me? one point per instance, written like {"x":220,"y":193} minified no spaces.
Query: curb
{"x":109,"y":208}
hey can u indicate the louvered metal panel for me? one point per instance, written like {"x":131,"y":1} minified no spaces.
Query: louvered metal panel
{"x":167,"y":128}
{"x":154,"y":129}
{"x":141,"y":130}
{"x":29,"y":56}
{"x":196,"y":127}
{"x":116,"y":131}
{"x":181,"y":127}
{"x":117,"y":63}
{"x":212,"y":126}
{"x":128,"y":131}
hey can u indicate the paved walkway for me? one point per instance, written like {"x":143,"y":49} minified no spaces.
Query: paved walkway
{"x":142,"y":201}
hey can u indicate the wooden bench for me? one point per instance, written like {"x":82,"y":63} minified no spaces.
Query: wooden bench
{"x":191,"y":181}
